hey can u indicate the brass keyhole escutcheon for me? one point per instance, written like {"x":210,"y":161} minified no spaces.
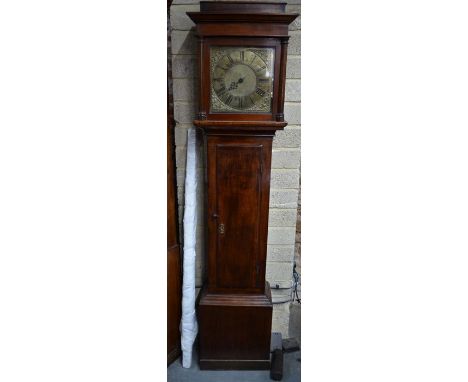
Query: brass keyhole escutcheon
{"x":221,"y":229}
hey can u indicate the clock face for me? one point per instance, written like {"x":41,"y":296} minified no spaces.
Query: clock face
{"x":241,"y":79}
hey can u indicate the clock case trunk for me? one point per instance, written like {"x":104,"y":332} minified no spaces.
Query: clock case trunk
{"x":234,"y":307}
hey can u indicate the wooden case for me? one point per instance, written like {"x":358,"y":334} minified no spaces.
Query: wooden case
{"x":235,"y":308}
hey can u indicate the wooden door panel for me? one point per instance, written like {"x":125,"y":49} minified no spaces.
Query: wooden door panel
{"x":238,"y":177}
{"x":238,"y":190}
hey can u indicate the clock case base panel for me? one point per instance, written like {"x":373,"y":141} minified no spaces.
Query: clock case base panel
{"x":235,"y":331}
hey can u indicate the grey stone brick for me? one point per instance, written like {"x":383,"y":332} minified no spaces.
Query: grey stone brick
{"x":293,"y":90}
{"x":293,"y":67}
{"x":185,"y":89}
{"x":280,"y":310}
{"x":180,"y":196}
{"x":283,"y":198}
{"x":280,"y":324}
{"x":183,"y":42}
{"x":294,"y":46}
{"x":181,"y":156}
{"x":282,"y":217}
{"x":289,"y":137}
{"x":286,"y":159}
{"x":280,"y":253}
{"x":282,"y":328}
{"x":281,"y":235}
{"x":184,"y":112}
{"x":179,"y":18}
{"x":293,"y":7}
{"x":184,"y":66}
{"x":292,"y":113}
{"x":180,"y":177}
{"x":181,"y":217}
{"x":284,"y":178}
{"x":280,"y":321}
{"x":282,"y":293}
{"x":279,"y":272}
{"x":180,"y":134}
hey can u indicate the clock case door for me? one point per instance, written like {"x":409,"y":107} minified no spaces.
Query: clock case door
{"x":238,"y":191}
{"x":206,"y":89}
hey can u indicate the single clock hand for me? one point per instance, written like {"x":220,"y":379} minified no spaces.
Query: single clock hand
{"x":234,"y":83}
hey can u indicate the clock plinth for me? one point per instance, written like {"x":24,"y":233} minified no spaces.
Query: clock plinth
{"x":235,"y":330}
{"x":242,"y":50}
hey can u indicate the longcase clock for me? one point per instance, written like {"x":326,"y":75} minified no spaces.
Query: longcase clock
{"x":242,"y":63}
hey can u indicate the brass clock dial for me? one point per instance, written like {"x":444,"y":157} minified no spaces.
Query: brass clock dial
{"x":241,"y":79}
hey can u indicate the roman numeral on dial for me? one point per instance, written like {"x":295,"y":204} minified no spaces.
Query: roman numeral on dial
{"x":246,"y":101}
{"x":261,"y":68}
{"x":260,"y":92}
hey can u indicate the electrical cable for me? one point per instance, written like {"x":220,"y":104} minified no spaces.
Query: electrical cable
{"x":296,"y":282}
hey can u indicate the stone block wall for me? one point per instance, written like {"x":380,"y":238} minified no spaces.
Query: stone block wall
{"x":285,"y":161}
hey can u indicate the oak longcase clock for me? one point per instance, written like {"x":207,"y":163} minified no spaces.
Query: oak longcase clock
{"x":242,"y":67}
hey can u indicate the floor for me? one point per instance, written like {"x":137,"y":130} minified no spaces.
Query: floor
{"x":291,"y":372}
